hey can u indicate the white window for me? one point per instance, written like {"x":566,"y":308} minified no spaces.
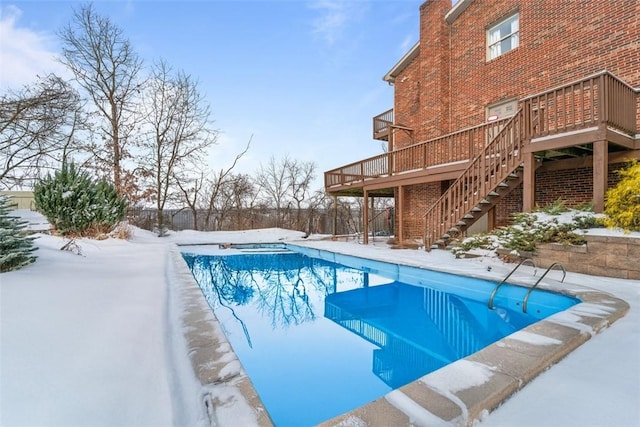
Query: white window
{"x":503,"y":37}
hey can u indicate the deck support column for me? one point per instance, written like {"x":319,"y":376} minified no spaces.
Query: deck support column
{"x":372,"y":208}
{"x":600,"y":174}
{"x":335,"y":215}
{"x":528,"y":182}
{"x":365,"y":218}
{"x":400,"y":214}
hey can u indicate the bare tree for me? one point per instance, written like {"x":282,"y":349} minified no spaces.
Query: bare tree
{"x":200,"y":192}
{"x":274,"y":184}
{"x":217,"y":190}
{"x":191,"y":186}
{"x":177,"y":116}
{"x":106,"y":67}
{"x":301,"y":176}
{"x":38,"y":126}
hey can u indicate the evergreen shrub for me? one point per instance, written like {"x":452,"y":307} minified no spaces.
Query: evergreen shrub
{"x":76,"y":205}
{"x":16,"y":248}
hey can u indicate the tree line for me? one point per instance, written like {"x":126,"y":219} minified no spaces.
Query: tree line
{"x":146,"y":130}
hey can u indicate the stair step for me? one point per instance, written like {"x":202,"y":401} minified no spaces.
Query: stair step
{"x":503,"y":185}
{"x":476,"y":209}
{"x":461,"y":223}
{"x":492,"y":194}
{"x":484,"y":202}
{"x":446,"y":236}
{"x":454,"y":230}
{"x":468,"y":216}
{"x":513,"y":175}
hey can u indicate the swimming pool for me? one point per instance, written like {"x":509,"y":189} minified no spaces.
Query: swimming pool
{"x":376,"y":326}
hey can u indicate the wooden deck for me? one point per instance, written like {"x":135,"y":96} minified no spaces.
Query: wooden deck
{"x":593,"y":117}
{"x":560,"y":122}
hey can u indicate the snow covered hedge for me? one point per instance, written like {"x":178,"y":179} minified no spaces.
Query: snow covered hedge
{"x":76,"y":205}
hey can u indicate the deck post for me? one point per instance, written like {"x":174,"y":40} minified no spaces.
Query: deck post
{"x":528,"y":182}
{"x":600,"y":174}
{"x":400,"y":214}
{"x":335,"y":215}
{"x":365,"y":218}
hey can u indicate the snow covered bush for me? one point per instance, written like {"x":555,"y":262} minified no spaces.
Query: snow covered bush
{"x":76,"y":205}
{"x":530,"y":228}
{"x":16,"y":249}
{"x":622,"y":205}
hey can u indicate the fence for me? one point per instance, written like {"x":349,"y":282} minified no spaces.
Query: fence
{"x":312,"y":221}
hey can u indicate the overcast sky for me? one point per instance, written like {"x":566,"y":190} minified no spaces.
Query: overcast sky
{"x":304,"y":78}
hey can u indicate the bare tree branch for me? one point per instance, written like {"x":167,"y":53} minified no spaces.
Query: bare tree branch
{"x":38,"y":127}
{"x":106,"y":67}
{"x":177,"y":118}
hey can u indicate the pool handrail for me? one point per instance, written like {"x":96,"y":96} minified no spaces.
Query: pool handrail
{"x":526,"y":297}
{"x":495,"y":290}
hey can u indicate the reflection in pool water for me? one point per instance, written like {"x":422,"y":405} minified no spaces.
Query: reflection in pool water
{"x":318,"y":339}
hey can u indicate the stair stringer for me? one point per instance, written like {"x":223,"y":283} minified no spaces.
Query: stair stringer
{"x":492,"y":174}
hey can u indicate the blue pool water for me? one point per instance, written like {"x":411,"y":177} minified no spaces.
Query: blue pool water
{"x":320,"y":334}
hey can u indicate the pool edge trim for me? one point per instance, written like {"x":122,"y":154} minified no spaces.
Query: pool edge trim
{"x":500,"y":369}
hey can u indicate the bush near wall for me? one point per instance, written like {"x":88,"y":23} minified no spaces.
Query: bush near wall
{"x":622,"y":205}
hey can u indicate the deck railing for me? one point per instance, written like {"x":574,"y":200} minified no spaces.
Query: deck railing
{"x":382,"y":124}
{"x":454,"y":147}
{"x":599,"y":99}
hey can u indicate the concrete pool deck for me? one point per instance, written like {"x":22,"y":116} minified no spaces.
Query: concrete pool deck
{"x":457,"y":394}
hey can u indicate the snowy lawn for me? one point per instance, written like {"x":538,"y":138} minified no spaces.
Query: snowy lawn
{"x":83,"y":339}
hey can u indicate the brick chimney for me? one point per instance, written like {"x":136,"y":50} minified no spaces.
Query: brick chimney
{"x":434,"y":68}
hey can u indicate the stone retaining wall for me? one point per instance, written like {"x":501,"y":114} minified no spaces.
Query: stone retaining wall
{"x":608,"y":256}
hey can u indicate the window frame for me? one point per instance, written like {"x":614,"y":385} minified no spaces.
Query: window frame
{"x":515,"y":17}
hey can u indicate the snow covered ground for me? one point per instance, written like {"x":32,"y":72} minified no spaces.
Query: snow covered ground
{"x":83,"y":339}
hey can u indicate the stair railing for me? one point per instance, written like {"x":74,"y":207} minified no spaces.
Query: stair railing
{"x":499,"y":158}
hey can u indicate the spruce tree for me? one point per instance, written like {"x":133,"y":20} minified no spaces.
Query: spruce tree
{"x":75,"y":204}
{"x":16,"y":249}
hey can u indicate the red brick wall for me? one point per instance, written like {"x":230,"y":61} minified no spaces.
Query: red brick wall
{"x":417,"y":199}
{"x":449,"y":84}
{"x":573,"y":186}
{"x":434,"y":70}
{"x":560,"y":41}
{"x":406,"y":108}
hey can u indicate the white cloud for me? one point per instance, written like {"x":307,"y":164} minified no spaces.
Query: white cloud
{"x":334,"y":16}
{"x":407,"y":44}
{"x":24,"y":53}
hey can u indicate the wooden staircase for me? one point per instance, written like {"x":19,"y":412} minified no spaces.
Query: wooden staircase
{"x":490,"y":176}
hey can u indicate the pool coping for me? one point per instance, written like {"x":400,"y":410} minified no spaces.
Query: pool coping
{"x":458,"y":394}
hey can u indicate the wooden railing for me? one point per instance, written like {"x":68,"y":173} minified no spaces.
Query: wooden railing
{"x":489,"y":168}
{"x":382,"y":124}
{"x":598,"y":99}
{"x":454,"y":147}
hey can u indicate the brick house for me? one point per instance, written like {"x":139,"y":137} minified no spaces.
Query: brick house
{"x":503,"y":105}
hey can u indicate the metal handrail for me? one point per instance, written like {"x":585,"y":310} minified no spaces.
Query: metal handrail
{"x":495,"y":290}
{"x":526,"y":297}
